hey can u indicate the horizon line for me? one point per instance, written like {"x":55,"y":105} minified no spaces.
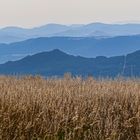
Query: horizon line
{"x":66,"y":24}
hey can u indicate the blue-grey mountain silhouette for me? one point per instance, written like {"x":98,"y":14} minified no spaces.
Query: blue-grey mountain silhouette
{"x":56,"y":63}
{"x":83,"y":46}
{"x":98,"y":30}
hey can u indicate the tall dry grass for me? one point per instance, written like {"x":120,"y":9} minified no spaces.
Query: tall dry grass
{"x":32,"y":108}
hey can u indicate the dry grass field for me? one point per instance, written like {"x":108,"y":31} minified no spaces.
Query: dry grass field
{"x":32,"y":108}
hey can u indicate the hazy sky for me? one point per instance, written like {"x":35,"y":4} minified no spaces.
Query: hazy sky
{"x":28,"y":13}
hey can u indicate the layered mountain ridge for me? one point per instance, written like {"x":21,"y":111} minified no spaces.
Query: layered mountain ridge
{"x":98,"y":30}
{"x":57,"y":63}
{"x":84,"y":46}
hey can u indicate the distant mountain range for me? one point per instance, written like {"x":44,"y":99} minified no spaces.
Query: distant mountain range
{"x":56,"y":63}
{"x":83,"y":46}
{"x":97,"y":30}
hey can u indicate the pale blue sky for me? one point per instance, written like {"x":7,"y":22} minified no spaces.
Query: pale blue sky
{"x":28,"y":13}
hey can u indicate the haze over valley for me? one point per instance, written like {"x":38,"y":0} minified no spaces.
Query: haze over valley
{"x":96,"y":30}
{"x":106,"y":43}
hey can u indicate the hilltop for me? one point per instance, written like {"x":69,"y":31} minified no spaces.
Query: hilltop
{"x":57,"y":63}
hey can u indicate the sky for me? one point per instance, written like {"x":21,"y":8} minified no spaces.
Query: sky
{"x":30,"y":13}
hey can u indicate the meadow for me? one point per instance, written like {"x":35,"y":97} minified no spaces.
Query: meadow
{"x":34,"y":108}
